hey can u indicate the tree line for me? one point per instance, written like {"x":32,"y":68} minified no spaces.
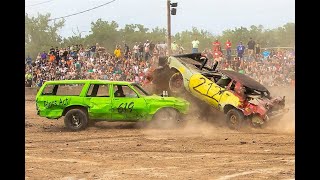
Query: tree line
{"x":41,"y":33}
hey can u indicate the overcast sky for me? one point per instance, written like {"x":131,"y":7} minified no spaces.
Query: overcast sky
{"x":212,"y":15}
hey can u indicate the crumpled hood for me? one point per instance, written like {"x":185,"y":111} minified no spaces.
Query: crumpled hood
{"x":273,"y":103}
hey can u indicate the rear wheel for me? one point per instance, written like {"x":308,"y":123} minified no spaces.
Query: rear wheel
{"x":76,"y":119}
{"x":166,"y":118}
{"x":235,"y":119}
{"x":176,"y":83}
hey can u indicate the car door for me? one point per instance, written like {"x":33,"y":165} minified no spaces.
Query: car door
{"x":229,"y":97}
{"x":205,"y":89}
{"x":129,"y":106}
{"x":99,"y":100}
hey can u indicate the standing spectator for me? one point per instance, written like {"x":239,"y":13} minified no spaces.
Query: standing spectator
{"x":117,"y":53}
{"x":217,"y":58}
{"x":28,"y":60}
{"x":151,"y":46}
{"x":87,"y":51}
{"x":44,"y":55}
{"x":140,"y":51}
{"x":240,"y":50}
{"x":93,"y":51}
{"x":146,"y":50}
{"x":77,"y":66}
{"x":136,"y":51}
{"x":181,"y":49}
{"x":216,"y":46}
{"x":162,"y":48}
{"x":28,"y":79}
{"x":174,"y":47}
{"x":195,"y":45}
{"x":228,"y":49}
{"x":65,"y":54}
{"x":258,"y":51}
{"x":251,"y":45}
{"x":266,"y":54}
{"x":126,"y":51}
{"x":51,"y":51}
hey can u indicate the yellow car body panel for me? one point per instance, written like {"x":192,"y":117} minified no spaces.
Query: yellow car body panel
{"x":208,"y":91}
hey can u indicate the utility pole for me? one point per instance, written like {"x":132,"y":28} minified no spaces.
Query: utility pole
{"x":169,"y":27}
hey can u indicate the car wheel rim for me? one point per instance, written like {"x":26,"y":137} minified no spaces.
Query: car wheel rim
{"x":233,"y":119}
{"x":176,"y":83}
{"x":75,"y":120}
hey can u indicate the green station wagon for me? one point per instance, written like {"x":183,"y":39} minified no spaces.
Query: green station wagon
{"x":84,"y":101}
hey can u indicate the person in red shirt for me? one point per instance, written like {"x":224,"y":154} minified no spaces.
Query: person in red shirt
{"x":228,"y":49}
{"x":216,"y":54}
{"x":216,"y":45}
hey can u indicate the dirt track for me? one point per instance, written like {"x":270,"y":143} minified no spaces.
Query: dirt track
{"x":200,"y":150}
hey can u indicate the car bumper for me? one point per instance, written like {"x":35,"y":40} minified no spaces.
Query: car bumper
{"x":276,"y":114}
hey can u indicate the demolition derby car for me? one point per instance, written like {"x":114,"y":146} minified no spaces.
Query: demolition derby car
{"x":84,"y":101}
{"x":239,"y":97}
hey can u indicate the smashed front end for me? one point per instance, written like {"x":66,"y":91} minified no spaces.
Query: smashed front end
{"x":263,"y":108}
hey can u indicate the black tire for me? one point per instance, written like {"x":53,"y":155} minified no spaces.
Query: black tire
{"x":176,"y":85}
{"x":166,"y":118}
{"x":234,"y":119}
{"x":76,"y":119}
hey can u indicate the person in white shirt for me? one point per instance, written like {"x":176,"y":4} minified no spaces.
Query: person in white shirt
{"x":136,"y":51}
{"x":195,"y":45}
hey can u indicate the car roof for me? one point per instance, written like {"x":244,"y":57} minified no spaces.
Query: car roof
{"x":244,"y":80}
{"x":86,"y":81}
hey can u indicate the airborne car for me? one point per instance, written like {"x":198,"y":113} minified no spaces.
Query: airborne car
{"x":84,"y":101}
{"x":237,"y":95}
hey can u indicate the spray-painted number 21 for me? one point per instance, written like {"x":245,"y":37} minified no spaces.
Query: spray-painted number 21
{"x":125,"y":107}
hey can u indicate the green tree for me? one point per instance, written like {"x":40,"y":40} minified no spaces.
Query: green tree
{"x":105,"y":33}
{"x":41,"y":33}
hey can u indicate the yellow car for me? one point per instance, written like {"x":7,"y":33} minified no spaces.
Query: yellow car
{"x":237,"y":95}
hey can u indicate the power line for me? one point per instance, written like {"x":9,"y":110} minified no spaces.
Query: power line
{"x":39,"y":3}
{"x":83,"y":11}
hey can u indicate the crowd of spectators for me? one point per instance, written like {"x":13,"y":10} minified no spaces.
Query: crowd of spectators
{"x":269,"y":67}
{"x":77,"y":62}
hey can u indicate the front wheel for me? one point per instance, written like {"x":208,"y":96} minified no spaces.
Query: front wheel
{"x":176,"y":83}
{"x":76,"y":119}
{"x":166,"y":118}
{"x":257,"y":122}
{"x":235,"y":119}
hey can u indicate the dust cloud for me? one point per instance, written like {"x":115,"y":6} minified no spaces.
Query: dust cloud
{"x":205,"y":121}
{"x":202,"y":120}
{"x":287,"y":123}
